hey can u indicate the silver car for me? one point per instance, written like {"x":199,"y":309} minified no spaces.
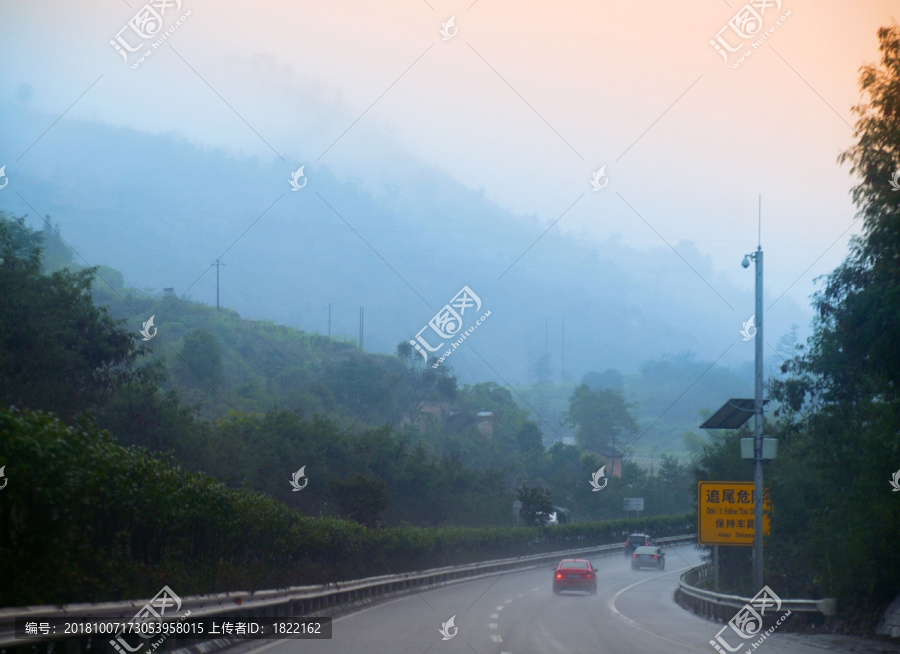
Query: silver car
{"x":648,"y":557}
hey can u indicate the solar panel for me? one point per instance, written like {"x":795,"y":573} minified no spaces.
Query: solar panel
{"x":734,"y":413}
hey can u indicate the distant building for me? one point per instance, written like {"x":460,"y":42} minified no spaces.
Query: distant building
{"x":612,"y":458}
{"x":484,"y":420}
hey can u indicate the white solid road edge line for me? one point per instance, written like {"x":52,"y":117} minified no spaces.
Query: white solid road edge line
{"x":611,"y":603}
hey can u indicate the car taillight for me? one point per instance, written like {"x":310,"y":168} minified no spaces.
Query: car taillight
{"x":655,"y":557}
{"x":559,"y":575}
{"x":634,"y":556}
{"x":590,"y":575}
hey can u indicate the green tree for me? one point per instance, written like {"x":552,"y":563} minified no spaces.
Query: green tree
{"x":511,"y":423}
{"x":859,"y":309}
{"x":58,"y":352}
{"x":109,"y":277}
{"x":839,"y":412}
{"x":566,"y":469}
{"x":420,"y":383}
{"x":140,"y":413}
{"x":600,"y":417}
{"x":536,"y":505}
{"x":609,"y":378}
{"x":674,"y":488}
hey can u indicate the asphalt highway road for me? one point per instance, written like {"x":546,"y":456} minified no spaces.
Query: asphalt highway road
{"x":633,"y":613}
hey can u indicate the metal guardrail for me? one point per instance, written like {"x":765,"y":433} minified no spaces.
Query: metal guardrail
{"x":296,"y":600}
{"x":720,"y":606}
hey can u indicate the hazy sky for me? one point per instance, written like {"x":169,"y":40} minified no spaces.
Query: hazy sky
{"x":526,"y":100}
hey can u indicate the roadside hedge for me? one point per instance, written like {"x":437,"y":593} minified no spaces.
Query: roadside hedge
{"x":87,"y":520}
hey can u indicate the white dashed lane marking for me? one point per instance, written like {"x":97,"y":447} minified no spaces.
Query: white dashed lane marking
{"x":493,"y":625}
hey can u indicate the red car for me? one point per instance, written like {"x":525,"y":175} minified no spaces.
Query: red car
{"x":575,"y":574}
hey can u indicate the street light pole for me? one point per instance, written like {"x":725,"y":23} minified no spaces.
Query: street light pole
{"x":758,"y":428}
{"x":758,"y":416}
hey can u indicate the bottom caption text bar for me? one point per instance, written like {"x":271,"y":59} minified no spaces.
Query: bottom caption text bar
{"x":186,"y":628}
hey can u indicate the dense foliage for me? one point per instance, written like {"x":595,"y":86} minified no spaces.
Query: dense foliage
{"x":57,"y":350}
{"x":170,"y":459}
{"x":86,"y":519}
{"x":601,"y":418}
{"x":836,"y":521}
{"x":251,"y":403}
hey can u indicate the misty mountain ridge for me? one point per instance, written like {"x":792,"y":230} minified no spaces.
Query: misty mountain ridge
{"x":161,"y":210}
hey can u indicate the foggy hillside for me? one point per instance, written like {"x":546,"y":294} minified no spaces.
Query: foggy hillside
{"x":335,"y":242}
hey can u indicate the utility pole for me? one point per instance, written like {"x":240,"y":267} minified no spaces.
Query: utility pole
{"x":758,"y":425}
{"x":758,"y":415}
{"x":329,"y":320}
{"x":360,"y":328}
{"x":217,"y":264}
{"x":736,"y":412}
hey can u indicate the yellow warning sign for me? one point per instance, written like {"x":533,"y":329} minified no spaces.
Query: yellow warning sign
{"x":726,"y":513}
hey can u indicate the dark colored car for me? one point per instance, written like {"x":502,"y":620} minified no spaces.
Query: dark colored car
{"x":648,"y":557}
{"x":575,"y":574}
{"x":637,"y":540}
